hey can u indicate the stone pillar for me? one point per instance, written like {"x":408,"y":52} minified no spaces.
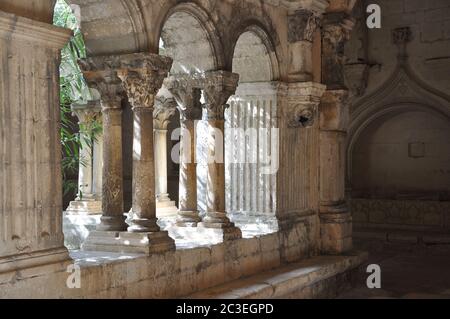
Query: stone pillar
{"x":87,"y":201}
{"x":101,"y":74}
{"x":188,"y":100}
{"x":303,"y":20}
{"x":218,"y":87}
{"x":164,"y":109}
{"x":30,"y":158}
{"x":142,"y":76}
{"x":297,"y":179}
{"x":336,"y":221}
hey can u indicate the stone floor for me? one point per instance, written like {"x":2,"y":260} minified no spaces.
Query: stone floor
{"x":408,"y":271}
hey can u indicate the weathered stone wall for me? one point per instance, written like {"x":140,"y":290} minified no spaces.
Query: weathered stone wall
{"x":173,"y":274}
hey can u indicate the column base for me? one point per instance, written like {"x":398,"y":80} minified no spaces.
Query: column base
{"x":223,"y":231}
{"x":85,"y":207}
{"x":165,"y":207}
{"x":51,"y":260}
{"x":132,"y":243}
{"x":335,"y":230}
{"x":188,"y":219}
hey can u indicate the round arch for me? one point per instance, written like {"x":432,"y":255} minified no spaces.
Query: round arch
{"x":371,"y":115}
{"x":200,"y":22}
{"x":254,"y":43}
{"x":261,"y":35}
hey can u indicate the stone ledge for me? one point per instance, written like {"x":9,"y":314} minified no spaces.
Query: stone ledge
{"x":286,"y":281}
{"x":403,"y":236}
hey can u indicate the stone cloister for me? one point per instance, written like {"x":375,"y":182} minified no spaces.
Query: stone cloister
{"x":172,"y":79}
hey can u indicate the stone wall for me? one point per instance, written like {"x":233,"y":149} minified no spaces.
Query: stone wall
{"x":399,"y":153}
{"x":173,"y":274}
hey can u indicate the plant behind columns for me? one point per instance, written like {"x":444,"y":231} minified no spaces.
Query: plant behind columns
{"x":73,"y":88}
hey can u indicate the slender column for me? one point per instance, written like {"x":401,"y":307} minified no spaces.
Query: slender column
{"x":218,"y":88}
{"x":302,"y":22}
{"x":30,"y":147}
{"x":142,"y":76}
{"x":188,"y":99}
{"x":101,"y":74}
{"x":164,"y":110}
{"x":336,"y":222}
{"x":86,"y":201}
{"x":98,"y":162}
{"x":142,"y":79}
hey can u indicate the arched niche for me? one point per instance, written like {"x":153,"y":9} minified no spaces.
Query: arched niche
{"x":398,"y":155}
{"x":402,"y":152}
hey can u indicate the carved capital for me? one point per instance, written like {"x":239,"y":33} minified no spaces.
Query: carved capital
{"x":142,"y":76}
{"x":100,"y":73}
{"x":301,"y":102}
{"x":187,"y":93}
{"x":336,"y":32}
{"x":337,"y":27}
{"x":164,"y":109}
{"x":218,"y":87}
{"x":301,"y":25}
{"x":86,"y":113}
{"x":401,"y":37}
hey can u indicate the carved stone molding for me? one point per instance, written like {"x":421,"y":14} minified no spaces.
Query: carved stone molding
{"x":14,"y":27}
{"x":217,"y":87}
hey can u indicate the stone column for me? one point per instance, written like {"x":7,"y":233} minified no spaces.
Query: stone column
{"x":188,"y":100}
{"x":303,"y":20}
{"x":142,"y":76}
{"x":86,"y":202}
{"x":101,"y":74}
{"x":218,"y":87}
{"x":30,"y":158}
{"x":164,"y":110}
{"x":336,"y":221}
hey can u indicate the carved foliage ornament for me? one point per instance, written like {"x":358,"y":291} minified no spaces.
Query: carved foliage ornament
{"x":187,"y":93}
{"x":218,"y":87}
{"x":164,"y":109}
{"x":102,"y":77}
{"x":141,"y":86}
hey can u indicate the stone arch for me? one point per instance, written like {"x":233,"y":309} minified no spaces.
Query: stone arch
{"x":262,"y":27}
{"x":403,"y":92}
{"x":112,"y":27}
{"x":255,"y":37}
{"x":196,"y":25}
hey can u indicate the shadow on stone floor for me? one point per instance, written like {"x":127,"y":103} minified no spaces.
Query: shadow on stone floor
{"x":407,"y":271}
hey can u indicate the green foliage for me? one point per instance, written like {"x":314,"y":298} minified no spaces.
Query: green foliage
{"x":73,"y":88}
